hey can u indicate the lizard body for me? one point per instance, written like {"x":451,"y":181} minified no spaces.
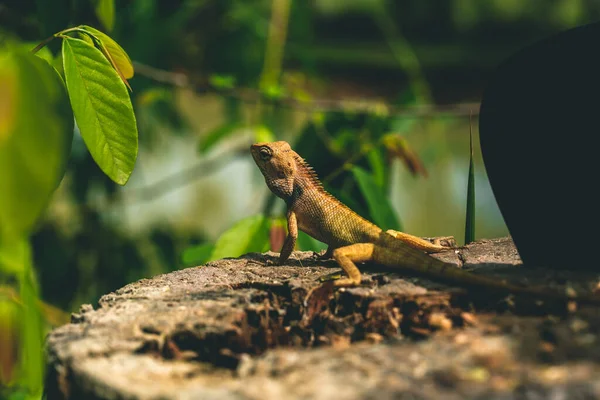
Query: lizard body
{"x":351,"y":238}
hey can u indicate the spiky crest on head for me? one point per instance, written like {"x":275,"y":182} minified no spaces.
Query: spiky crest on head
{"x":308,"y":171}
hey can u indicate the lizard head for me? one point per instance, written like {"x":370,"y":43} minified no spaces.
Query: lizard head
{"x":277,"y":163}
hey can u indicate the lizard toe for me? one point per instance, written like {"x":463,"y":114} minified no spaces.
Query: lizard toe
{"x":346,"y":282}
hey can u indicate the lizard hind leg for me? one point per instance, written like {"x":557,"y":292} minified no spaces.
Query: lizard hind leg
{"x":347,"y":256}
{"x":417,"y":243}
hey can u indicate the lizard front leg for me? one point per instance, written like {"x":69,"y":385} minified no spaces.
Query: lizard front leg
{"x":347,"y":256}
{"x":290,"y":240}
{"x":417,"y":243}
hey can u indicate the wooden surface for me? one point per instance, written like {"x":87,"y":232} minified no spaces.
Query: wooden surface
{"x":240,"y":329}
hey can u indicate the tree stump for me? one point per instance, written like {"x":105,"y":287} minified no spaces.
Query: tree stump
{"x":240,"y":329}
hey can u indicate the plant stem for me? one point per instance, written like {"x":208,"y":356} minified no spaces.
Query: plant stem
{"x":42,"y":44}
{"x":58,"y":34}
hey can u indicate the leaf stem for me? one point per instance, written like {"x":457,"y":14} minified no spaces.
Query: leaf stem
{"x":59,"y":34}
{"x":470,"y":215}
{"x":42,"y":44}
{"x":73,"y":29}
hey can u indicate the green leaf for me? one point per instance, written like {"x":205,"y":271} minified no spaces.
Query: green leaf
{"x":379,"y":206}
{"x":118,"y":55}
{"x":32,"y":355}
{"x":29,"y":324}
{"x":36,"y":132}
{"x":470,"y":217}
{"x":197,"y":255}
{"x":11,"y":255}
{"x":102,"y":109}
{"x":216,"y":135}
{"x":377,"y":164}
{"x":248,"y":235}
{"x":105,"y":10}
{"x":43,"y":53}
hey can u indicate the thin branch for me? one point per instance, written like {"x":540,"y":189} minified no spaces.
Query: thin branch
{"x":403,"y":53}
{"x":278,"y":26}
{"x":42,"y":44}
{"x":162,"y":76}
{"x":188,"y":176}
{"x":248,"y":95}
{"x":179,"y":179}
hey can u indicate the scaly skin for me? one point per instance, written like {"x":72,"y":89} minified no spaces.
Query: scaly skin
{"x":351,"y":238}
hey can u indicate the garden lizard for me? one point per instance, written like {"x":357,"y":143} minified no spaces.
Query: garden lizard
{"x":353,"y":239}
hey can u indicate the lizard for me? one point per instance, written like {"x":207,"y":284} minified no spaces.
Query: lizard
{"x":352,"y":239}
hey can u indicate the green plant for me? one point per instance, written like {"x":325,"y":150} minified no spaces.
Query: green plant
{"x":470,"y":216}
{"x":38,"y":108}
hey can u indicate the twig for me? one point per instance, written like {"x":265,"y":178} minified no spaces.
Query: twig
{"x":178,"y":179}
{"x":162,"y":76}
{"x":370,"y":106}
{"x":205,"y":167}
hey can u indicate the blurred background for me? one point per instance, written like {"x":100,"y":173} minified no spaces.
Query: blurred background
{"x":375,"y":94}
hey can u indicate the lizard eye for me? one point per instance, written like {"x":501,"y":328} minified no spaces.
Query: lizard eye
{"x":265,"y":153}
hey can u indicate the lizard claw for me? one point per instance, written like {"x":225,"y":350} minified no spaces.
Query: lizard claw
{"x":323,"y":255}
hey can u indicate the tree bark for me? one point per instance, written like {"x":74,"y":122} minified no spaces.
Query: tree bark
{"x":241,"y":329}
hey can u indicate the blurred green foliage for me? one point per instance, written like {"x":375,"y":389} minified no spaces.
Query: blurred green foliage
{"x":36,"y":133}
{"x":31,"y":164}
{"x":217,"y":75}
